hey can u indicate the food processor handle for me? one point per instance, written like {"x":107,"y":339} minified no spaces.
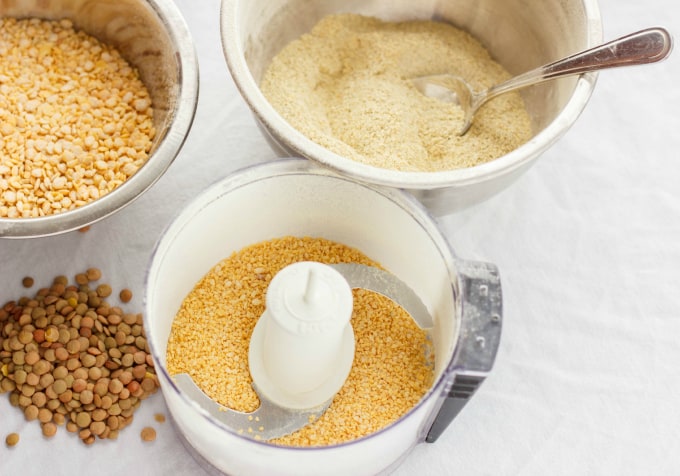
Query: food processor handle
{"x":480,"y":330}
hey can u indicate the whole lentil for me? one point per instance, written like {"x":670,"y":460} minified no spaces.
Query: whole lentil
{"x":32,"y":357}
{"x":103,"y":290}
{"x":39,"y":399}
{"x":75,"y":119}
{"x":31,"y":412}
{"x":32,"y":380}
{"x":93,"y":274}
{"x":346,"y":86}
{"x":49,"y":429}
{"x":12,"y":439}
{"x":27,"y":282}
{"x":148,"y":434}
{"x":59,"y":419}
{"x":61,"y":376}
{"x":391,"y":370}
{"x":44,"y":415}
{"x":125,"y":295}
{"x":97,"y":428}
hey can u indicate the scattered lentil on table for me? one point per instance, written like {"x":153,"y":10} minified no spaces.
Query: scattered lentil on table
{"x":346,"y":86}
{"x":12,"y":439}
{"x":210,"y":335}
{"x":69,"y":358}
{"x":75,"y":119}
{"x":148,"y":434}
{"x":125,"y":295}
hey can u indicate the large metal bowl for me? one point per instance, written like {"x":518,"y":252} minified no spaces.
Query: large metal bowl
{"x":153,"y":37}
{"x":520,"y":35}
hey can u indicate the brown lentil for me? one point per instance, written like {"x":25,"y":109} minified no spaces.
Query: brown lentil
{"x":12,"y":439}
{"x":93,"y":274}
{"x":103,"y":290}
{"x":44,"y":415}
{"x":59,"y":419}
{"x":31,"y":413}
{"x":61,"y":354}
{"x":148,"y":434}
{"x":49,"y":429}
{"x":27,"y":282}
{"x":59,"y":373}
{"x":346,"y":85}
{"x":32,"y":379}
{"x":97,"y":427}
{"x":159,"y":417}
{"x":115,"y":386}
{"x":79,"y":385}
{"x":75,"y":119}
{"x":39,"y":399}
{"x":229,"y":300}
{"x":125,"y":295}
{"x":32,"y":357}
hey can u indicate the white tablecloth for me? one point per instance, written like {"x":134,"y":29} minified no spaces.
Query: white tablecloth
{"x":587,"y":378}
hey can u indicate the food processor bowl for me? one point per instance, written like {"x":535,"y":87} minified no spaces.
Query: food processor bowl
{"x":295,"y":197}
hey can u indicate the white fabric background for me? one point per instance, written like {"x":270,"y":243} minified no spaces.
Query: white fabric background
{"x":587,"y":378}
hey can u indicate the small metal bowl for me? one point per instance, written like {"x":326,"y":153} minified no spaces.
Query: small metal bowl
{"x":153,"y":37}
{"x":520,"y":35}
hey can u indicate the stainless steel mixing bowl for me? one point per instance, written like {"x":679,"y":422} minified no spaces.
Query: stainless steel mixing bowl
{"x":153,"y":37}
{"x":520,"y":35}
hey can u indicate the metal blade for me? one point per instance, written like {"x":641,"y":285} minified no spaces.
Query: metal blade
{"x":267,"y":422}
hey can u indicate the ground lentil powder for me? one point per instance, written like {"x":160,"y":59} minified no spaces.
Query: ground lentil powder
{"x":211,"y":332}
{"x":346,"y":85}
{"x":75,"y":119}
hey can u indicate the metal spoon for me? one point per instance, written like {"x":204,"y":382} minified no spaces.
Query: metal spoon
{"x":645,"y":46}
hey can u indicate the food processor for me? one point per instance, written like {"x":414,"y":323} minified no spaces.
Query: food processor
{"x":458,"y":301}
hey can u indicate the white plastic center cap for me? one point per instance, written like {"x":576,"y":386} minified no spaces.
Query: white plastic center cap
{"x":302,"y":348}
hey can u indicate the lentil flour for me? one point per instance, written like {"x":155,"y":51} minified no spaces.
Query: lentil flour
{"x":346,"y":85}
{"x":209,"y":339}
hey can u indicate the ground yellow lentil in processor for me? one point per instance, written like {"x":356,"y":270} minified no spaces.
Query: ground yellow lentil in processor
{"x":75,"y":119}
{"x":346,"y":86}
{"x":209,"y":339}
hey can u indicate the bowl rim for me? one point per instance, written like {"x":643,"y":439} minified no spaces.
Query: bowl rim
{"x":166,"y":151}
{"x":282,"y":131}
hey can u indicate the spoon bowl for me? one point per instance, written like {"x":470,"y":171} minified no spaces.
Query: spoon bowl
{"x":642,"y":47}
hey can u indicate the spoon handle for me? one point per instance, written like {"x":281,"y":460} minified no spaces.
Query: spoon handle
{"x":645,"y":46}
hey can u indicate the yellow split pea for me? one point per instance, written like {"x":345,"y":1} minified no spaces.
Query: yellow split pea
{"x":75,"y":119}
{"x":209,"y":339}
